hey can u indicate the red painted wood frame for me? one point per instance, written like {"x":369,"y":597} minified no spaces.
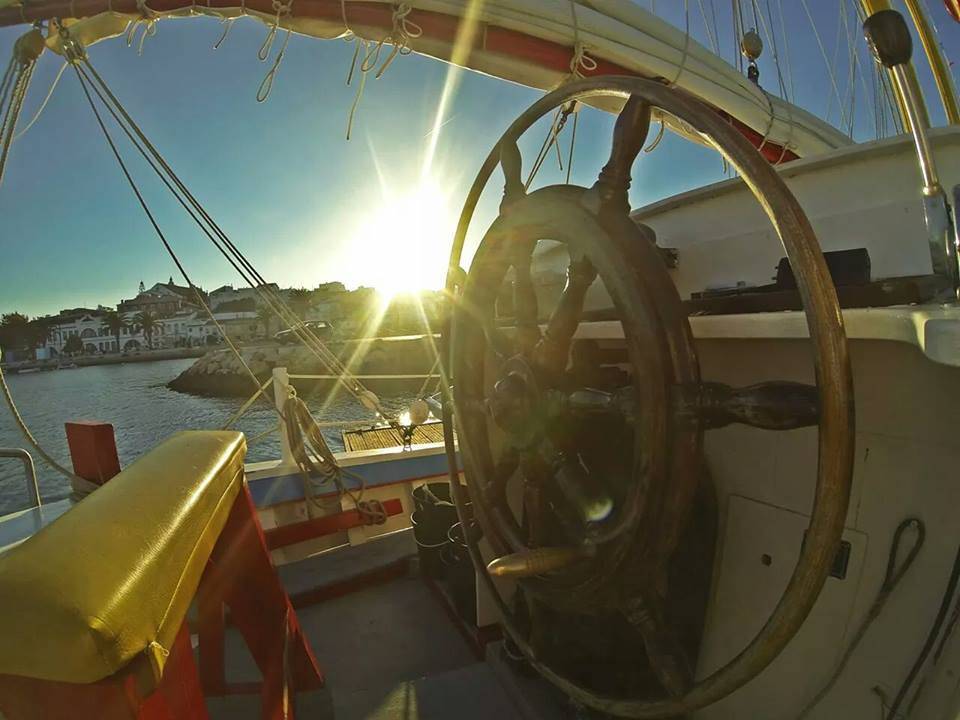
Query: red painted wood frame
{"x":177,"y":697}
{"x":379,"y":16}
{"x":291,"y":533}
{"x":93,"y":449}
{"x":241,"y":578}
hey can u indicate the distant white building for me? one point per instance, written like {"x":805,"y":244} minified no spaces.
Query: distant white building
{"x":161,"y":299}
{"x":95,"y":336}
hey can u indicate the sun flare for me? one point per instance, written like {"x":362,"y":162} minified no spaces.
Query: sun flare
{"x":407,"y":237}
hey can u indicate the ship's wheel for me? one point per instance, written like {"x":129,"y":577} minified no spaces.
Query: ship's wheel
{"x":584,"y":482}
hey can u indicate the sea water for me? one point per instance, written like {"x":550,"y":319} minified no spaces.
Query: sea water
{"x":135,"y":399}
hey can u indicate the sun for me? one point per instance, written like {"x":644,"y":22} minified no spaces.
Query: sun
{"x":405,"y":239}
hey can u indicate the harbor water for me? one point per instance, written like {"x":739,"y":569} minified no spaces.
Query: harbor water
{"x":135,"y":399}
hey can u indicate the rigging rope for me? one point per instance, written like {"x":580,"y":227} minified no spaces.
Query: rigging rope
{"x":851,"y":67}
{"x":711,"y":37}
{"x":43,"y":105}
{"x":17,"y":79}
{"x":368,"y":52}
{"x":826,"y":60}
{"x":80,"y":486}
{"x":159,"y":232}
{"x":786,"y":48}
{"x":227,"y":27}
{"x":148,"y":18}
{"x":16,"y":82}
{"x":945,"y":602}
{"x":236,"y":258}
{"x":894,"y":574}
{"x":282,"y":9}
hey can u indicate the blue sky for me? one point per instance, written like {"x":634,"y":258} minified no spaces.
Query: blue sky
{"x":279,"y":176}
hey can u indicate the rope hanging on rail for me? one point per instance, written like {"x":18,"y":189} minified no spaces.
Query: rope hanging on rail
{"x":366,"y":53}
{"x":148,"y":19}
{"x":316,"y":461}
{"x":896,"y":569}
{"x":282,"y":10}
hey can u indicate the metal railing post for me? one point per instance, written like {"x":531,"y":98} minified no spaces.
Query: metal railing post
{"x":281,"y":391}
{"x":33,"y":489}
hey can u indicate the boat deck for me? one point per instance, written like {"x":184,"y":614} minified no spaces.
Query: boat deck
{"x":386,"y":643}
{"x":380,"y":438}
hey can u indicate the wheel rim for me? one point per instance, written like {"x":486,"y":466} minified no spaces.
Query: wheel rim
{"x":832,"y":370}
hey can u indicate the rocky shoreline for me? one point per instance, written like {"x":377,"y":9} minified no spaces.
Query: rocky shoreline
{"x":219,"y":373}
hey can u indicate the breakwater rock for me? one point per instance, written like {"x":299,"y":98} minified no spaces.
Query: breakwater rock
{"x":219,"y":373}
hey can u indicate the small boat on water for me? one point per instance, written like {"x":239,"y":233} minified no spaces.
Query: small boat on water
{"x":657,"y":482}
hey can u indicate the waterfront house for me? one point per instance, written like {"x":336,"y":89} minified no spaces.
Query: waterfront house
{"x":162,"y":299}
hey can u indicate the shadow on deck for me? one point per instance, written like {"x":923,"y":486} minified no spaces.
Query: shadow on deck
{"x":389,"y":650}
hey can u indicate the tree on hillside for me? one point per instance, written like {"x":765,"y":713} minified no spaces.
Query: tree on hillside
{"x":148,"y":322}
{"x":14,"y":331}
{"x":38,"y":331}
{"x":265,"y":316}
{"x":300,"y":301}
{"x":114,"y":322}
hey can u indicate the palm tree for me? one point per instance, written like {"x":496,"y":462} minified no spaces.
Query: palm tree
{"x":265,"y":316}
{"x":114,"y":322}
{"x":38,"y":331}
{"x":148,"y":322}
{"x":300,"y":301}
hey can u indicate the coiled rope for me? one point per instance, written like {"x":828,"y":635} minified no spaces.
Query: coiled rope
{"x":316,"y":461}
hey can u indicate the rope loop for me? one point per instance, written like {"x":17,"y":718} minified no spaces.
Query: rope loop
{"x":282,"y":9}
{"x":266,"y":85}
{"x":372,"y":512}
{"x":73,"y":51}
{"x":656,"y":140}
{"x":404,"y":30}
{"x":367,"y":54}
{"x":227,"y":26}
{"x":581,"y":63}
{"x":148,"y":19}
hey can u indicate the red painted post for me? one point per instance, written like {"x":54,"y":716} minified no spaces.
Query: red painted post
{"x":93,"y":449}
{"x":177,"y":697}
{"x":292,"y":533}
{"x":240,"y":576}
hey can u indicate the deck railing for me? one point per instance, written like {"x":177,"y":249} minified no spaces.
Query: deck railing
{"x":280,"y":381}
{"x":33,"y":489}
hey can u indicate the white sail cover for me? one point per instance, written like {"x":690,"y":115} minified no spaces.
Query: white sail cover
{"x":612,"y":31}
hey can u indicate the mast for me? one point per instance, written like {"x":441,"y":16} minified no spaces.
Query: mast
{"x":938,"y":62}
{"x":910,"y":72}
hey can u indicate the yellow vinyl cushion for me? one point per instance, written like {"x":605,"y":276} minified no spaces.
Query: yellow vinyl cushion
{"x":110,"y":581}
